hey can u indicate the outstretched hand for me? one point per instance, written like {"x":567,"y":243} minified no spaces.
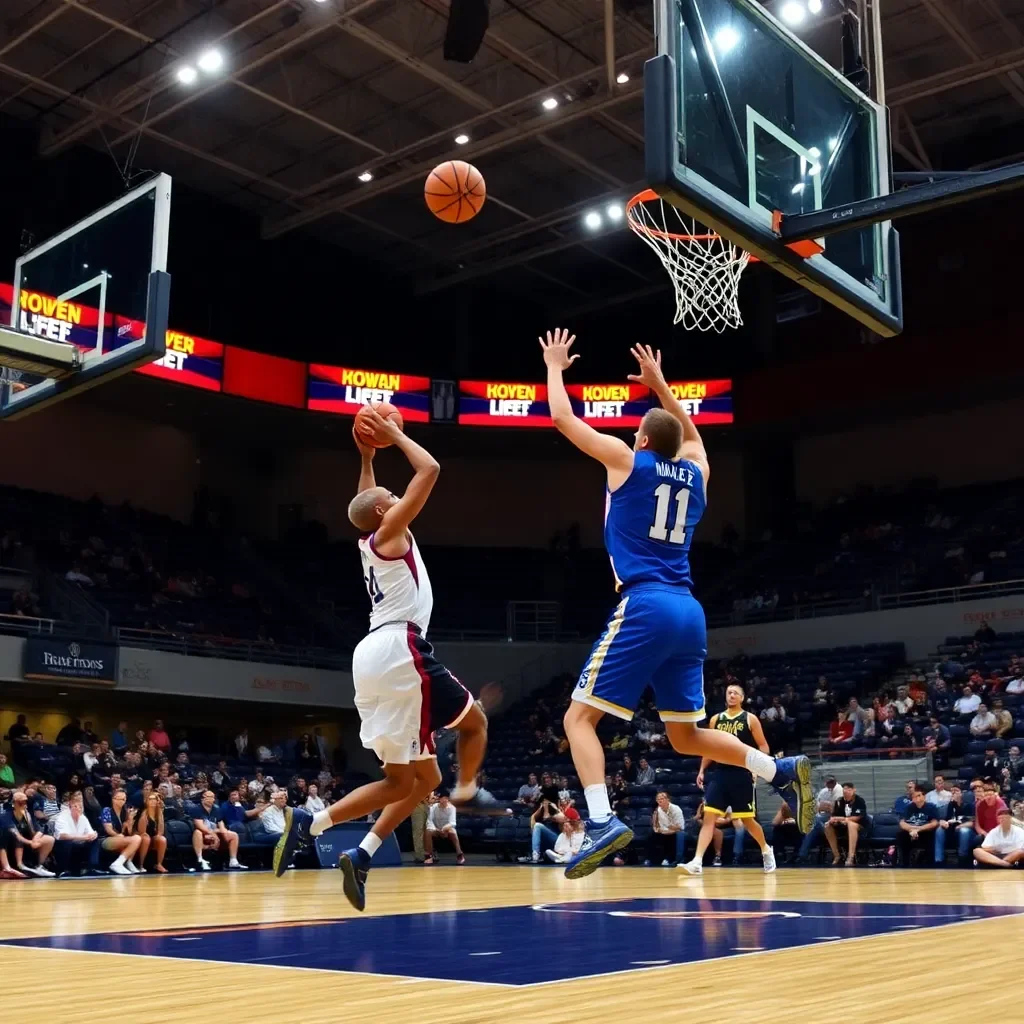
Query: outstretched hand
{"x":556,"y":349}
{"x":649,"y":361}
{"x":367,"y":451}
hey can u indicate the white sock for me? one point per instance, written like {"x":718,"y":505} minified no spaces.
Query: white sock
{"x":321,"y":823}
{"x":371,"y":843}
{"x":598,"y":808}
{"x":465,"y":791}
{"x":760,"y":764}
{"x":119,"y":863}
{"x":233,"y":862}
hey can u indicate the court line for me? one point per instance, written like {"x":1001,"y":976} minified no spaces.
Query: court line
{"x":753,"y":953}
{"x":276,"y":967}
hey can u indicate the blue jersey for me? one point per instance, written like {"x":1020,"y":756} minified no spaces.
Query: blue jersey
{"x":650,"y":519}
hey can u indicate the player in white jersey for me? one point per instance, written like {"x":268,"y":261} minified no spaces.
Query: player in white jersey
{"x":402,"y":692}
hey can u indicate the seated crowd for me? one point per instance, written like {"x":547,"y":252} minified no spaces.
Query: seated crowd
{"x":121,"y":805}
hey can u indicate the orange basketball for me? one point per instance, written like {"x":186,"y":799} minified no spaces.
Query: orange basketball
{"x":365,"y":425}
{"x":455,"y":191}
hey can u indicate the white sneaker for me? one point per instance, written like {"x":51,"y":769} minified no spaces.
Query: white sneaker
{"x":769,"y":860}
{"x":132,"y":869}
{"x":665,"y":864}
{"x":694,"y":867}
{"x":142,"y":871}
{"x":119,"y":869}
{"x":203,"y":866}
{"x":45,"y":873}
{"x":236,"y":865}
{"x":38,"y":872}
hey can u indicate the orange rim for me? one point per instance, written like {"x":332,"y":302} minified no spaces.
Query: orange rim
{"x":805,"y":248}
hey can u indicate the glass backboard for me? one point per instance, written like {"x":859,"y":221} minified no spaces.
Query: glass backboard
{"x":96,"y":294}
{"x":744,"y":122}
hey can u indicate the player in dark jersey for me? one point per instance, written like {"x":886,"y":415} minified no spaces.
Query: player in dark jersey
{"x":730,"y":788}
{"x":657,"y":635}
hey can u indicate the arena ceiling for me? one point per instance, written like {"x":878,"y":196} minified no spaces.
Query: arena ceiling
{"x":313,"y":94}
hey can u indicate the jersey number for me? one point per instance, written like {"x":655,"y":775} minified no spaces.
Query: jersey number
{"x":659,"y":529}
{"x":376,"y":594}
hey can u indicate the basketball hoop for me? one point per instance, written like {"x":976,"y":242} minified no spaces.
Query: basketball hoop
{"x":705,"y":268}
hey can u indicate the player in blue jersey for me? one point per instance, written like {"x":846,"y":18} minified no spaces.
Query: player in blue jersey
{"x":657,"y":492}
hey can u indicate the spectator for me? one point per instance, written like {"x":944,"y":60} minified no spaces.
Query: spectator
{"x":774,"y":718}
{"x":888,"y":730}
{"x":917,"y":822}
{"x":313,"y":802}
{"x":119,"y":739}
{"x":786,"y":832}
{"x":619,"y":795}
{"x":27,"y":848}
{"x":70,"y":734}
{"x":1015,"y":764}
{"x":840,"y":733}
{"x":942,"y":701}
{"x":825,"y":803}
{"x":850,"y":814}
{"x":985,"y":634}
{"x":320,"y":744}
{"x":441,"y":824}
{"x":959,"y":815}
{"x":174,"y":809}
{"x":297,"y":792}
{"x":221,"y":777}
{"x":183,"y":768}
{"x":77,"y":842}
{"x":529,"y":792}
{"x":91,"y":757}
{"x":967,"y":704}
{"x":158,"y":737}
{"x":645,"y":775}
{"x":210,"y":833}
{"x":18,"y":733}
{"x":242,"y":744}
{"x":89,"y":734}
{"x":937,"y":739}
{"x":629,"y":770}
{"x":259,"y":783}
{"x":987,"y":808}
{"x":418,"y":821}
{"x":545,"y":828}
{"x":939,"y":797}
{"x":119,"y":824}
{"x":265,"y":755}
{"x":568,"y":843}
{"x":45,"y":807}
{"x":903,"y":702}
{"x":861,"y":718}
{"x":667,"y":843}
{"x":6,"y":772}
{"x":1004,"y":720}
{"x":903,"y":802}
{"x":75,"y":575}
{"x":1014,"y":686}
{"x":305,"y":752}
{"x":233,"y":812}
{"x":983,"y":724}
{"x":992,"y":766}
{"x":150,"y":829}
{"x":272,"y":819}
{"x":1003,"y":846}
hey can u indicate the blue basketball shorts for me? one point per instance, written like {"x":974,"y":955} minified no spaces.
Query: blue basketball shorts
{"x":656,"y":637}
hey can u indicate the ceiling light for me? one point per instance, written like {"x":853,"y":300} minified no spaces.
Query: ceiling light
{"x":815,"y":152}
{"x":187,"y":74}
{"x":366,"y":176}
{"x":211,"y":61}
{"x":832,"y":143}
{"x":622,"y":78}
{"x":798,"y":188}
{"x":793,"y":13}
{"x":726,"y":38}
{"x":592,"y":220}
{"x":550,"y":103}
{"x":461,"y":139}
{"x":814,"y":6}
{"x":62,"y":693}
{"x":614,"y":211}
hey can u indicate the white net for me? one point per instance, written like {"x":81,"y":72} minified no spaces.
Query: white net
{"x":705,"y":268}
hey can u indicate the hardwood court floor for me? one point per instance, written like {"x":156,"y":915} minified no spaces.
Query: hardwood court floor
{"x":514,"y":944}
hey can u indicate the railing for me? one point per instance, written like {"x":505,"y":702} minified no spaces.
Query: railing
{"x":26,"y":625}
{"x":951,"y":595}
{"x":873,"y":602}
{"x":198,"y":645}
{"x":536,"y":621}
{"x":73,"y":603}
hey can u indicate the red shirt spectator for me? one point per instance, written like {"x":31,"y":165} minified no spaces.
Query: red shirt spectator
{"x":839,"y":732}
{"x":986,"y":813}
{"x":159,"y":738}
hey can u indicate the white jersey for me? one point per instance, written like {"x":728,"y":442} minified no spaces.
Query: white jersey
{"x":399,"y":588}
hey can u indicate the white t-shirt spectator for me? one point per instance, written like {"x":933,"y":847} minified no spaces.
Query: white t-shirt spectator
{"x":904,"y":704}
{"x":273,"y":819}
{"x":937,"y":799}
{"x":566,"y":847}
{"x":65,"y":825}
{"x":983,"y":723}
{"x":1001,"y":843}
{"x":90,"y":760}
{"x":264,"y":753}
{"x":773,"y":713}
{"x":829,"y":796}
{"x":1015,"y":685}
{"x":255,"y":786}
{"x":967,"y":705}
{"x":314,"y":804}
{"x":440,"y":817}
{"x":528,"y":793}
{"x":670,"y":819}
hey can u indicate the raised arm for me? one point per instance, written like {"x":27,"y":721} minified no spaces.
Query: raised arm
{"x":395,"y":524}
{"x":366,"y":453}
{"x":614,"y":454}
{"x":692,"y":447}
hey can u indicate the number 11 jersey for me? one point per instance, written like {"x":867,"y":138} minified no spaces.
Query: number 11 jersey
{"x":649,"y":521}
{"x":399,"y":587}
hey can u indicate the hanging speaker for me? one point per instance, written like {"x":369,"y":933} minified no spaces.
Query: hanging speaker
{"x":467,"y":25}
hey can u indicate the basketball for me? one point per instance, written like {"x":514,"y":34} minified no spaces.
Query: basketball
{"x":455,"y":191}
{"x":365,"y":425}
